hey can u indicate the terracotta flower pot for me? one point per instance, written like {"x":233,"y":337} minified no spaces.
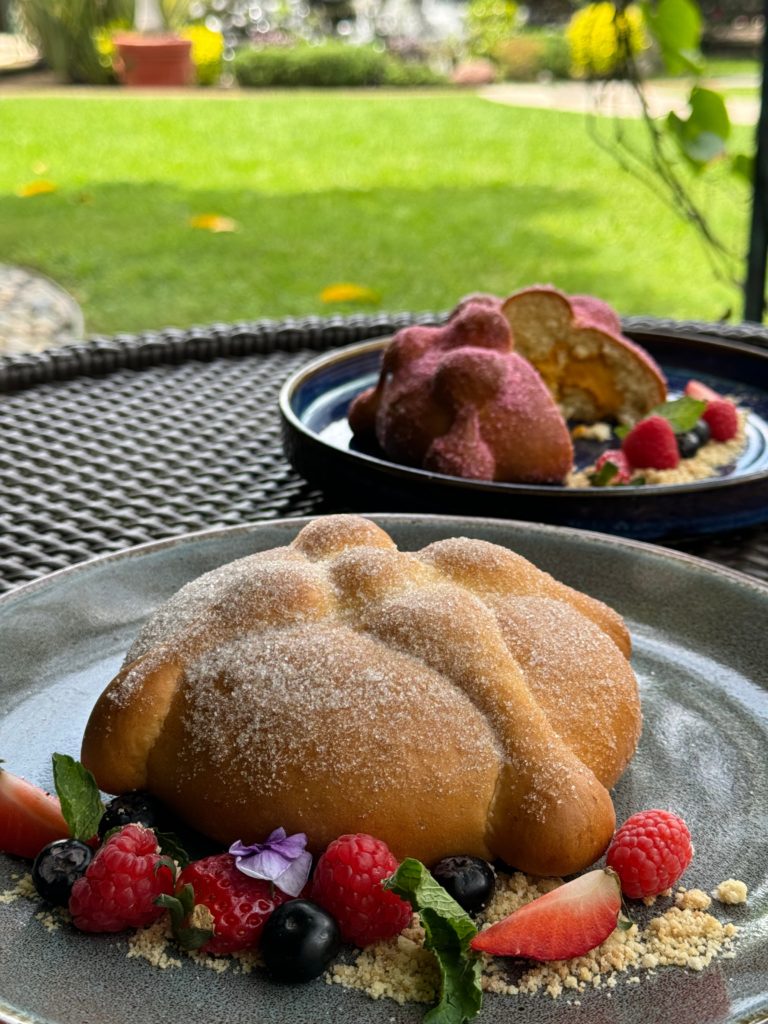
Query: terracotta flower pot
{"x":161,"y":60}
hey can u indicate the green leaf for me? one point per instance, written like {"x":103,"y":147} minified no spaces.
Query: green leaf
{"x":702,"y":135}
{"x":682,"y":413}
{"x":78,"y":795}
{"x":709,"y":112}
{"x":621,"y":431}
{"x":449,"y":930}
{"x":743,"y":164}
{"x":170,"y":845}
{"x":604,"y":475}
{"x":677,"y":26}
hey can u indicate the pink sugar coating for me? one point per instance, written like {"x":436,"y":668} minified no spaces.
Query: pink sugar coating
{"x":458,"y":400}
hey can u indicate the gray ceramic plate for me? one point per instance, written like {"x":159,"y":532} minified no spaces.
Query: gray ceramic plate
{"x":701,"y":650}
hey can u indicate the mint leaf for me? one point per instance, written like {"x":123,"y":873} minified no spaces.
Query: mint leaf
{"x":78,"y":795}
{"x":449,"y":930}
{"x":622,"y":431}
{"x":170,"y":846}
{"x":683,"y":413}
{"x":604,"y":475}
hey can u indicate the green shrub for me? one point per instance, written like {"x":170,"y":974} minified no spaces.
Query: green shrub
{"x":530,"y":54}
{"x":411,"y":73}
{"x":325,"y":64}
{"x":330,"y":63}
{"x":66,"y":32}
{"x":489,"y":24}
{"x":557,"y":54}
{"x":520,"y":59}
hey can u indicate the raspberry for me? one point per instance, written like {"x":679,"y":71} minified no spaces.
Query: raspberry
{"x":121,"y":883}
{"x":722,"y":419}
{"x":617,"y":458}
{"x":240,"y":905}
{"x":650,"y":852}
{"x":347,"y":883}
{"x":651,"y":444}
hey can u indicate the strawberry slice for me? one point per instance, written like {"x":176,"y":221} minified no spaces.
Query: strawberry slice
{"x":567,"y":922}
{"x":29,"y":817}
{"x":702,"y":393}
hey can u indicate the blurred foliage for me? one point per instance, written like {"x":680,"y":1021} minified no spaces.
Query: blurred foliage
{"x":331,"y":63}
{"x":65,"y":32}
{"x":533,"y":54}
{"x":489,"y":23}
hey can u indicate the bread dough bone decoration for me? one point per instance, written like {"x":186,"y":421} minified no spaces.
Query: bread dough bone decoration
{"x":452,"y":700}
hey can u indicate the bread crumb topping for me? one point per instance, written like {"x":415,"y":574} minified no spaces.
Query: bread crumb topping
{"x":682,"y":936}
{"x":731,"y":891}
{"x":22,"y":889}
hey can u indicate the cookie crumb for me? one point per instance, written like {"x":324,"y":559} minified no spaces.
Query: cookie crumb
{"x":152,"y":944}
{"x":24,"y":889}
{"x":731,"y":891}
{"x":683,"y":936}
{"x":693,"y":899}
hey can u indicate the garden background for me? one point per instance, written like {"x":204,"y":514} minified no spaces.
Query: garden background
{"x":341,"y":156}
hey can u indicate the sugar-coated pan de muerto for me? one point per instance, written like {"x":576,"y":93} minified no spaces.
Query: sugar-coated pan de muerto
{"x":452,"y":700}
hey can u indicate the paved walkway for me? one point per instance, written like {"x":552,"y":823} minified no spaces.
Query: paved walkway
{"x":617,"y":99}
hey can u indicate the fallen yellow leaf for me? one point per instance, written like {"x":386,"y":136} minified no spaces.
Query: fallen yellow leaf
{"x":345,"y":292}
{"x":213,"y":222}
{"x":40,"y":187}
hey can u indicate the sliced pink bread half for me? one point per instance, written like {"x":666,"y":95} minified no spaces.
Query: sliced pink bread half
{"x":593,"y":371}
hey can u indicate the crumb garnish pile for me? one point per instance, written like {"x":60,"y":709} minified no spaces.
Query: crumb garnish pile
{"x":683,"y":935}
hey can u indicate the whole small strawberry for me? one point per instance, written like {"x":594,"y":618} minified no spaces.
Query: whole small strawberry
{"x":616,"y":458}
{"x":650,"y":852}
{"x":722,"y":419}
{"x":347,"y":883}
{"x":651,"y":444}
{"x":239,"y":906}
{"x":122,"y":883}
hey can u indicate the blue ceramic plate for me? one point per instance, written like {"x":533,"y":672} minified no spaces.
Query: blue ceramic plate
{"x":702,"y":753}
{"x":320,"y":446}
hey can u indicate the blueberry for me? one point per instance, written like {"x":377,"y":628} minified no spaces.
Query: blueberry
{"x":57,"y":867}
{"x":299,"y":941}
{"x":688,"y":443}
{"x":469,"y":880}
{"x":133,"y":808}
{"x":702,"y":429}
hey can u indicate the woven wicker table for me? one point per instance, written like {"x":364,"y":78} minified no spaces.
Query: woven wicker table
{"x":134,"y":438}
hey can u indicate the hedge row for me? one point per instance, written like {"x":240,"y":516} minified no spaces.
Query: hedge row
{"x":328,"y":64}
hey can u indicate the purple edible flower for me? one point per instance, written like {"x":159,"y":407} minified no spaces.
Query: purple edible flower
{"x":281,"y":859}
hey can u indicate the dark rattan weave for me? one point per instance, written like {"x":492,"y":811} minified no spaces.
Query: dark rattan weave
{"x":134,"y":438}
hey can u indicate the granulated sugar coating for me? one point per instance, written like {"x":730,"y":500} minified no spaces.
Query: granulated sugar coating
{"x":678,"y":937}
{"x":340,"y":685}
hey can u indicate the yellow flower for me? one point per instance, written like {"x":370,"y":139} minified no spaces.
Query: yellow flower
{"x":207,"y":52}
{"x":600,"y":37}
{"x":346,"y":292}
{"x":213,"y":222}
{"x":39,"y":187}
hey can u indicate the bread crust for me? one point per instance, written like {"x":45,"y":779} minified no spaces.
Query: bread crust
{"x":575,"y":342}
{"x":451,"y":700}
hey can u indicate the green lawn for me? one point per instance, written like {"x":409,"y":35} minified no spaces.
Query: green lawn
{"x":422,"y":197}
